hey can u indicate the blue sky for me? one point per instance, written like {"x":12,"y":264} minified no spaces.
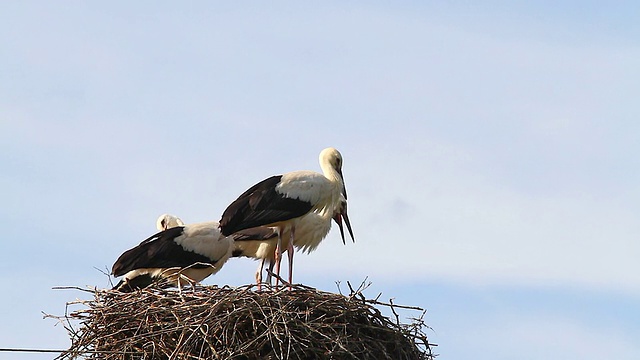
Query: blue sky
{"x":490,"y":154}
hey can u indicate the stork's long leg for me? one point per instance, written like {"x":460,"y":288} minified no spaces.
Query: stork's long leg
{"x":290,"y":255}
{"x":269,"y":277}
{"x":278,"y":254}
{"x":259,"y":274}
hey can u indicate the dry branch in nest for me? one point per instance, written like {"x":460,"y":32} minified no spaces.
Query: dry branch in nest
{"x":239,"y":323}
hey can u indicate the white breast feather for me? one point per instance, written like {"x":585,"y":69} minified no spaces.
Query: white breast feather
{"x":205,"y":239}
{"x":311,"y":230}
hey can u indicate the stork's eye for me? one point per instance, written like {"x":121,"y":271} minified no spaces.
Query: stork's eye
{"x":163,"y":223}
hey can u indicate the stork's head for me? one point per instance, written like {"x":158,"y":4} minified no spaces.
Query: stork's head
{"x":333,"y":157}
{"x":166,"y":221}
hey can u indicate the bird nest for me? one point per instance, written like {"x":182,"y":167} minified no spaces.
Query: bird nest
{"x":209,"y":322}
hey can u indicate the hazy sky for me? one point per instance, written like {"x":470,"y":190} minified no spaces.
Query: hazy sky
{"x":491,"y":154}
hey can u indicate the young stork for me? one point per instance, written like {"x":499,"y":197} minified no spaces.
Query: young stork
{"x":280,"y":201}
{"x":182,"y":253}
{"x":258,"y":243}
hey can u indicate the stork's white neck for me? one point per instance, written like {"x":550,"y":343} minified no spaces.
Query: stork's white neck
{"x":331,"y":173}
{"x":331,"y":163}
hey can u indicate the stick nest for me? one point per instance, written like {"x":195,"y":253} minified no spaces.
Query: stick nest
{"x":210,"y":322}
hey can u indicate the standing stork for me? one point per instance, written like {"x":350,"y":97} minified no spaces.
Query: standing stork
{"x":280,"y":201}
{"x":183,"y":253}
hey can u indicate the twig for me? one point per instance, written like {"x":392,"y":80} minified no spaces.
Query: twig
{"x":91,"y":291}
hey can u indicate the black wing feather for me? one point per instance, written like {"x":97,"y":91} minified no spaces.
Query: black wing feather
{"x":158,"y":251}
{"x":256,"y":233}
{"x":261,"y":205}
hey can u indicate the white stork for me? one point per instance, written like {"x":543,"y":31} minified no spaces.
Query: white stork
{"x":258,"y":243}
{"x":280,"y":201}
{"x":183,"y":253}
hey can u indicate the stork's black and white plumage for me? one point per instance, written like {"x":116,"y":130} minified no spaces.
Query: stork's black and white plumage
{"x":260,"y":243}
{"x":257,"y":243}
{"x":180,"y":255}
{"x":280,"y":201}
